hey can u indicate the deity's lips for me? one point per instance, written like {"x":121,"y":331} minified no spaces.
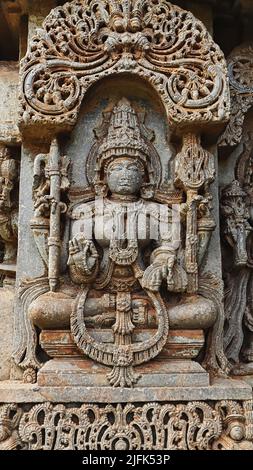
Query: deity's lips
{"x":124,"y":183}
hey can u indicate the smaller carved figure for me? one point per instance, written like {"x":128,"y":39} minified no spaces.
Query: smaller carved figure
{"x":8,"y":204}
{"x":237,"y":226}
{"x":9,"y":420}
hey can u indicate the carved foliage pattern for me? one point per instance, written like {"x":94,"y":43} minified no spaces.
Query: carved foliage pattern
{"x":240,"y":70}
{"x":152,"y":426}
{"x":84,"y":41}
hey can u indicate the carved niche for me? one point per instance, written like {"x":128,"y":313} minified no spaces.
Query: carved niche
{"x":236,"y":216}
{"x":122,"y":295}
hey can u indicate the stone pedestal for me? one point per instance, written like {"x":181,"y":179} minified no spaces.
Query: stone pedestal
{"x":181,"y":344}
{"x":217,"y":416}
{"x":156,"y":373}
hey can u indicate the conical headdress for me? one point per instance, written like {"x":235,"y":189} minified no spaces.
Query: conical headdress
{"x":124,"y":136}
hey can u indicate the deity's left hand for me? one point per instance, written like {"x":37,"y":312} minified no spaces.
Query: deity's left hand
{"x":154,"y":275}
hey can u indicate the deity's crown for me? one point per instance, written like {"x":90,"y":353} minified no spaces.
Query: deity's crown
{"x":233,"y":189}
{"x":124,"y":136}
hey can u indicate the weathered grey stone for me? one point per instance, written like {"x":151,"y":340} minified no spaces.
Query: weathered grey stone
{"x":221,"y":389}
{"x":6,"y":331}
{"x":81,"y":372}
{"x":9,"y":132}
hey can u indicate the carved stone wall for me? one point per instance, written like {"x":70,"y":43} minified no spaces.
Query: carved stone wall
{"x":126,"y":231}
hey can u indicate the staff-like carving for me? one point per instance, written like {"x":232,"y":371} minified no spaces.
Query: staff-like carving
{"x":194,"y":170}
{"x":50,"y":183}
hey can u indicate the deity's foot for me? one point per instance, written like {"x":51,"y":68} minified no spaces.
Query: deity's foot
{"x":122,"y":376}
{"x":243,"y":369}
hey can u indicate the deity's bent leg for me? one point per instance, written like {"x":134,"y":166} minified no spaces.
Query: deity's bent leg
{"x":195,"y":312}
{"x":51,"y":311}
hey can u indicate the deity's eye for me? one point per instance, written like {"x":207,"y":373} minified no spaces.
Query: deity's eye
{"x":115,"y":168}
{"x":132,"y":167}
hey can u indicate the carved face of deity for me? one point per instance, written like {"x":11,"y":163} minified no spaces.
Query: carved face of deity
{"x":124,"y":176}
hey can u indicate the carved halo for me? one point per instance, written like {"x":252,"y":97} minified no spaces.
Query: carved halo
{"x":85,"y":41}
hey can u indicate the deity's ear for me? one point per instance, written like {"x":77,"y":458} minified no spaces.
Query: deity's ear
{"x":101,"y":188}
{"x":147,"y":191}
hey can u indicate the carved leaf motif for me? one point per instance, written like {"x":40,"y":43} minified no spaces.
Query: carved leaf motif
{"x":240,"y":70}
{"x":84,"y":41}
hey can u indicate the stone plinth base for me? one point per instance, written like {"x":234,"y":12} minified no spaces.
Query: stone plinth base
{"x":181,"y":344}
{"x":160,"y":418}
{"x":157,"y":373}
{"x":221,"y":389}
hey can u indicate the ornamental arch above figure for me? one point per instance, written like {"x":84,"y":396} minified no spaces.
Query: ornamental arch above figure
{"x":135,"y":285}
{"x":84,"y":41}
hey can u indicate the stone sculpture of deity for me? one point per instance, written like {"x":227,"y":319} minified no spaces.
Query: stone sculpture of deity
{"x":126,"y":263}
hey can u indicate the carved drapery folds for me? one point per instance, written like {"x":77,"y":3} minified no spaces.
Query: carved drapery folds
{"x":240,"y":70}
{"x":85,"y":41}
{"x":184,"y":426}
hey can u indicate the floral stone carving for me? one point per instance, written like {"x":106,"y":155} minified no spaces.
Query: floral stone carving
{"x":84,"y":41}
{"x":240,"y":70}
{"x":152,"y":426}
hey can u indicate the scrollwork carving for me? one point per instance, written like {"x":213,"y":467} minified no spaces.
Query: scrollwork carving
{"x":10,"y":415}
{"x":84,"y":41}
{"x":240,"y":70}
{"x":151,"y":426}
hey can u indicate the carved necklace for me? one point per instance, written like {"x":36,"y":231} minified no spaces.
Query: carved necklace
{"x":123,"y":248}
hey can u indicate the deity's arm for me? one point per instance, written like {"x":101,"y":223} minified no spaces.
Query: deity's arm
{"x":165,"y":259}
{"x":83,"y":255}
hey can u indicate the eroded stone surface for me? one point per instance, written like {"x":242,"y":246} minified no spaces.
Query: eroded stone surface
{"x":9,"y":132}
{"x":6,"y":331}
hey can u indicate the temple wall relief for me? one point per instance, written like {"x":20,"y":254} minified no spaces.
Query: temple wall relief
{"x":119,"y":294}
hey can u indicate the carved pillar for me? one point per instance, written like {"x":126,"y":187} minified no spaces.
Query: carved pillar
{"x":194,"y":170}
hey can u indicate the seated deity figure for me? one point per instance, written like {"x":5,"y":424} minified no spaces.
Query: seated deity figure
{"x":125,"y":268}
